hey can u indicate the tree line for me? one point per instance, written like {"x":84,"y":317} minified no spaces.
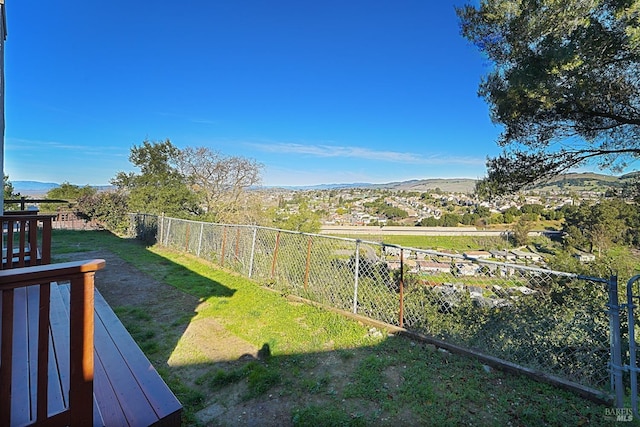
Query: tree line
{"x":191,"y":183}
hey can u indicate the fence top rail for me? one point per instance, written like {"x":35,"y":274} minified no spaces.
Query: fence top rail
{"x":431,"y":252}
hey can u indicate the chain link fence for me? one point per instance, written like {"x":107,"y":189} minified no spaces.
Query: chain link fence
{"x":549,"y":321}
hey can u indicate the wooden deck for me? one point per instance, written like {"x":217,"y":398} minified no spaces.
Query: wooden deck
{"x":126,"y":389}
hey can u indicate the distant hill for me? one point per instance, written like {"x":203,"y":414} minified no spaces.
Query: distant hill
{"x":587,"y":181}
{"x":448,"y":185}
{"x":459,"y":185}
{"x":37,"y":188}
{"x":33,"y":188}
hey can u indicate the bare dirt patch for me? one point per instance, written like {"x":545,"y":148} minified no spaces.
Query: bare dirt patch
{"x":199,"y":344}
{"x":123,"y":285}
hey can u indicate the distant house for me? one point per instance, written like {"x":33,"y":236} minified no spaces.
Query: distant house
{"x":431,"y":267}
{"x":393,"y":265}
{"x":466,"y":269}
{"x":502,"y":255}
{"x":584,"y":257}
{"x":530,"y":256}
{"x":391,"y":251}
{"x":478,"y":254}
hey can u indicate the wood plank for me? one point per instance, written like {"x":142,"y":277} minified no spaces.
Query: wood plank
{"x":131,"y":396}
{"x":120,"y":400}
{"x":108,"y":406}
{"x":128,"y":391}
{"x":158,"y":394}
{"x":59,"y":348}
{"x":27,"y":374}
{"x":21,"y":406}
{"x":6,"y":353}
{"x":33,"y":315}
{"x":62,"y":301}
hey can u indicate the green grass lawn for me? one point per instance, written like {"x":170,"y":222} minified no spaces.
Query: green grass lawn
{"x":455,"y":243}
{"x":322,"y":369}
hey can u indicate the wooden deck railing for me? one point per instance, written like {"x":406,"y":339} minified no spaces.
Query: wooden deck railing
{"x":26,"y":239}
{"x":38,"y":279}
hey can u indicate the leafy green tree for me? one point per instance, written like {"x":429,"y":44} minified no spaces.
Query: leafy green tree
{"x":496,"y":218}
{"x":600,"y":225}
{"x":429,"y":222}
{"x":533,"y":208}
{"x":513,"y":211}
{"x":469,"y":218}
{"x":564,"y":85}
{"x":381,"y":207}
{"x":9,"y":193}
{"x":450,"y":220}
{"x":159,"y":187}
{"x":520,"y":232}
{"x":483,"y":211}
{"x":107,"y":208}
{"x":304,"y":220}
{"x":69,"y":192}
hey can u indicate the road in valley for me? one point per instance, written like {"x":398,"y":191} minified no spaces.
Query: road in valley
{"x":419,"y":231}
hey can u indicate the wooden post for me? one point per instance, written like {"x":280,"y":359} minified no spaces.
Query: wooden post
{"x":43,"y":351}
{"x":46,"y":239}
{"x":81,"y":356}
{"x":9,"y":246}
{"x":6,"y":349}
{"x":22,"y":231}
{"x":32,"y":238}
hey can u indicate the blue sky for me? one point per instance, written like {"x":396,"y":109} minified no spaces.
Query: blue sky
{"x":316,"y":91}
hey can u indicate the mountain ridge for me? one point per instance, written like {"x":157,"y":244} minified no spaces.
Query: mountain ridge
{"x":584,"y":181}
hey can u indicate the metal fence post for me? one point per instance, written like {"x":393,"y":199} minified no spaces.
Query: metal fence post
{"x":161,"y":218}
{"x":166,"y":237}
{"x":253,"y":251}
{"x":275,"y":256}
{"x":615,"y":343}
{"x":237,"y":250}
{"x":200,"y":238}
{"x":355,"y":280}
{"x":307,"y":265}
{"x":224,"y":245}
{"x":633,"y":364}
{"x":401,"y":311}
{"x":186,"y":238}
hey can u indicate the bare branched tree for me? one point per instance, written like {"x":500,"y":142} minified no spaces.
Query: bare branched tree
{"x":221,"y":181}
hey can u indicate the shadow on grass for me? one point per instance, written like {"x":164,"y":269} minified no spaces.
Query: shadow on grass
{"x":245,"y":370}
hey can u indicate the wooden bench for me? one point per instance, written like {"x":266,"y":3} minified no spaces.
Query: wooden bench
{"x":105,"y":381}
